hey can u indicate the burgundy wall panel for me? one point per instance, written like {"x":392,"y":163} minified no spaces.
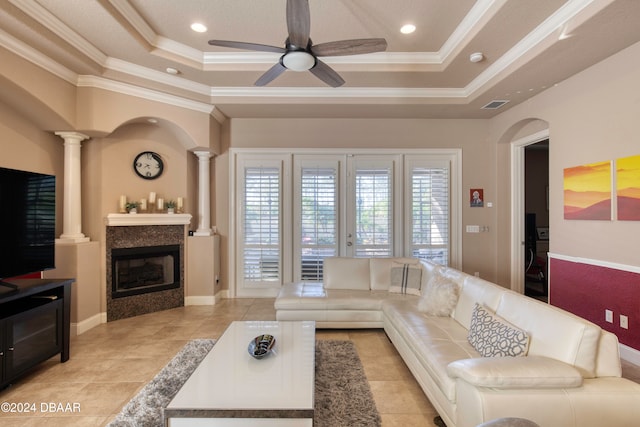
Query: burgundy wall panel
{"x":587,"y":290}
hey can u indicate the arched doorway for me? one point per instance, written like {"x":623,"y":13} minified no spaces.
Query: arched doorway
{"x":523,"y":254}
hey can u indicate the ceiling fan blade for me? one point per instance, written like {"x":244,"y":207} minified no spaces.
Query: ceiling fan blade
{"x":298,"y":22}
{"x":326,"y":74}
{"x":247,"y":46}
{"x":349,"y":47}
{"x":271,"y":74}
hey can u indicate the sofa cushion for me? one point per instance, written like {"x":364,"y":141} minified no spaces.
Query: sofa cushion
{"x":434,"y":341}
{"x":380,"y":271}
{"x":476,"y":290}
{"x":346,"y":273}
{"x":405,"y":278}
{"x":493,"y":336}
{"x":440,"y":296}
{"x":516,"y":373}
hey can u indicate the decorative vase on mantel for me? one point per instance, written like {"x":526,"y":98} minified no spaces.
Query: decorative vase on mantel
{"x":171,"y":207}
{"x":170,"y":211}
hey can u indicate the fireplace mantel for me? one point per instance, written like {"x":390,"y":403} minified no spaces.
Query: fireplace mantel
{"x":115,"y":219}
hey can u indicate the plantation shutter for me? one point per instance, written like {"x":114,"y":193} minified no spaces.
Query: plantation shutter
{"x":373,"y":211}
{"x":430,"y":213}
{"x":318,"y":219}
{"x":261,"y":224}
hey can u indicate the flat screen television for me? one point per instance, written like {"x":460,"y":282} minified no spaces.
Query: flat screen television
{"x":27,"y":222}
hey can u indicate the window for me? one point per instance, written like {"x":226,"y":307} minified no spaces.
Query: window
{"x":293,"y":210}
{"x":373,"y":210}
{"x":318,"y":219}
{"x":429,"y":236}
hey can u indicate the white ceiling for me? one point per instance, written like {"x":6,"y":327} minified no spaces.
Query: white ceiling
{"x":528,"y":45}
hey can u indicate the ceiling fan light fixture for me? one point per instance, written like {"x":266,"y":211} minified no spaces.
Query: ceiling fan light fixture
{"x":298,"y":61}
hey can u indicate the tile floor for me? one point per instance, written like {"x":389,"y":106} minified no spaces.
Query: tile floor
{"x":112,"y":361}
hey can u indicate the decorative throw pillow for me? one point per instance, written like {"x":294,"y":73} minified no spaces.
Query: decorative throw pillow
{"x":492,"y":336}
{"x":439,"y":297}
{"x":405,"y":278}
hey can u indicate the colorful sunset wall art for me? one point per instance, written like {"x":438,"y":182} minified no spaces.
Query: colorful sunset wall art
{"x":628,"y":188}
{"x":587,"y":192}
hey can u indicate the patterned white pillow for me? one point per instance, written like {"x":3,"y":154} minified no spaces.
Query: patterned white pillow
{"x":405,"y":278}
{"x":439,"y":297}
{"x":492,"y":336}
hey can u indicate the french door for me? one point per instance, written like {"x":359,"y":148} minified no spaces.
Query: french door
{"x":343,"y":205}
{"x":293,"y":210}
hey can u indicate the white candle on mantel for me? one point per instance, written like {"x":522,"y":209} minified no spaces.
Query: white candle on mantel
{"x":143,"y":204}
{"x":152,"y":197}
{"x":179,"y":203}
{"x":123,"y":203}
{"x":160,"y":203}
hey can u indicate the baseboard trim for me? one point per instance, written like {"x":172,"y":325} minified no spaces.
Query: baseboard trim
{"x":206,"y":299}
{"x":200,"y":300}
{"x":84,"y":325}
{"x":630,"y":354}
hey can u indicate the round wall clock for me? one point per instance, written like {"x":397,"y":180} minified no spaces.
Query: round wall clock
{"x":148,"y":165}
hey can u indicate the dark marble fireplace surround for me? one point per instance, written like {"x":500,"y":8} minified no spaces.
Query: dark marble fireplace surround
{"x":143,"y":236}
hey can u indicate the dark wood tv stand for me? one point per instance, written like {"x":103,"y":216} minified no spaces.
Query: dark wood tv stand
{"x":35,"y":320}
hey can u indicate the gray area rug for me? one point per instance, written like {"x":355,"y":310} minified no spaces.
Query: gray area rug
{"x":342,"y":393}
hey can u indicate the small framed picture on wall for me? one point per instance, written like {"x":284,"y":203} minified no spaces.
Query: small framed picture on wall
{"x":476,"y":197}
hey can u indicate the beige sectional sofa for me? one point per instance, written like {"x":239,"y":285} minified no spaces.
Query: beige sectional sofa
{"x":569,"y":375}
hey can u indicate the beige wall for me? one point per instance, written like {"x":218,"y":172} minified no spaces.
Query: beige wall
{"x":24,"y":146}
{"x":48,"y":102}
{"x":592,"y":117}
{"x":470,"y":135}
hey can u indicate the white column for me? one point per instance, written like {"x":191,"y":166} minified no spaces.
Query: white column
{"x":72,"y":208}
{"x":204,"y":194}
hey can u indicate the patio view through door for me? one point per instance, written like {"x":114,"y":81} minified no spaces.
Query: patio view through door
{"x":295,"y":210}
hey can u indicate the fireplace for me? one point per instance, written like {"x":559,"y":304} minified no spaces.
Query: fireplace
{"x":144,"y":269}
{"x":144,"y":263}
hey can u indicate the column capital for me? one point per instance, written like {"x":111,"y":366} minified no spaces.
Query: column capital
{"x":73,"y":136}
{"x":203,"y":154}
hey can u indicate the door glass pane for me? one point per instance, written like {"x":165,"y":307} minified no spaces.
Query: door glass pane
{"x":373,"y":212}
{"x":261,"y":245}
{"x":318,"y":220}
{"x":430,"y":214}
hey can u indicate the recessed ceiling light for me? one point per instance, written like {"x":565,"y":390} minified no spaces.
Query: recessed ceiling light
{"x":173,"y":71}
{"x":198,"y":27}
{"x":408,"y":29}
{"x":152,"y":120}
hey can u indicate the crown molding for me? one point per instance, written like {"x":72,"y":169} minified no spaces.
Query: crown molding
{"x":570,"y":14}
{"x":218,"y":115}
{"x":28,"y":53}
{"x":521,"y":53}
{"x":135,"y":70}
{"x":137,"y":22}
{"x":139,"y":92}
{"x":481,"y":12}
{"x":48,"y":20}
{"x":338,"y":93}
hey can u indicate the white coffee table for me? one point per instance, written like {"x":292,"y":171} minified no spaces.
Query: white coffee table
{"x":231,"y":388}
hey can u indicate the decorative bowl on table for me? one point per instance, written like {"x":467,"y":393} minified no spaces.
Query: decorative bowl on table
{"x":261,"y":345}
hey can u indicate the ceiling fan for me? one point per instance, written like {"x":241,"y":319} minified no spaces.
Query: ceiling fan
{"x":300,"y":54}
